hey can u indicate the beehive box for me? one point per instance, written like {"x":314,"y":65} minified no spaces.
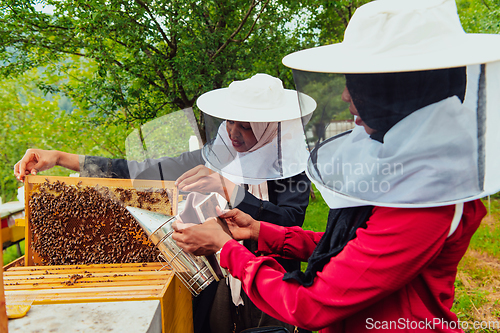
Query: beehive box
{"x":73,"y":220}
{"x":85,"y":220}
{"x":104,"y":283}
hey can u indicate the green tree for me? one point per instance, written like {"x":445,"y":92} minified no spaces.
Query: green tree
{"x":31,"y":119}
{"x":331,"y":19}
{"x":121,"y":63}
{"x":151,"y":57}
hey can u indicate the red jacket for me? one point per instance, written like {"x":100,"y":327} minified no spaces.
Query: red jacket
{"x":397,"y":275}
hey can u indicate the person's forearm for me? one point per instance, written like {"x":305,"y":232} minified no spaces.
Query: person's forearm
{"x":68,"y":161}
{"x":369,"y":268}
{"x":254,"y":231}
{"x":287,"y":242}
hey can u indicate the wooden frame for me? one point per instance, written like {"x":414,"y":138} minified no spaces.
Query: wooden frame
{"x":105,"y":283}
{"x":137,"y":184}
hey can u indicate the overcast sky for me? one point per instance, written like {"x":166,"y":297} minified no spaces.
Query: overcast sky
{"x":43,"y":8}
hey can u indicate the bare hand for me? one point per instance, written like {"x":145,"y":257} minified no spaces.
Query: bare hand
{"x":241,"y":225}
{"x":34,"y":161}
{"x":202,"y":179}
{"x":201,"y":239}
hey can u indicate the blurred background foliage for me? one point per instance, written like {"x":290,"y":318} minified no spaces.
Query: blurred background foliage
{"x":80,"y":76}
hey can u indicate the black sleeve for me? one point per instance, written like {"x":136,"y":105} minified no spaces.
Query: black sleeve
{"x":288,"y":200}
{"x":165,"y":168}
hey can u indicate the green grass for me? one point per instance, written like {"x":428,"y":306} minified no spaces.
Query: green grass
{"x":316,"y":217}
{"x":486,"y":240}
{"x":478,"y":281}
{"x":10,"y":254}
{"x":316,"y":213}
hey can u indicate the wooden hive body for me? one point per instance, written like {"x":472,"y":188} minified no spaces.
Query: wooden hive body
{"x":96,"y":282}
{"x":104,"y":283}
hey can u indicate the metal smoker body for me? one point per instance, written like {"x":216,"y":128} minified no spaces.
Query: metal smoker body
{"x":196,"y":272}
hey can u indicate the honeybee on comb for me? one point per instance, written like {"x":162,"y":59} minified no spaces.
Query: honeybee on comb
{"x":79,"y":224}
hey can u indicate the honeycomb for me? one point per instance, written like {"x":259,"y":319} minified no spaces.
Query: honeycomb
{"x":81,"y":224}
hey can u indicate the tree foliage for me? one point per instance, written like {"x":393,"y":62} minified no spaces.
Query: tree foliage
{"x":331,"y":19}
{"x":151,"y":57}
{"x":122,"y":63}
{"x":31,"y":119}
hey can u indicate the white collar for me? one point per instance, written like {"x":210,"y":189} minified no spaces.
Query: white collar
{"x":284,"y":157}
{"x":428,"y":158}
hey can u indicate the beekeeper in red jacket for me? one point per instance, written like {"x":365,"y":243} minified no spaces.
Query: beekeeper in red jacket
{"x":403,"y":186}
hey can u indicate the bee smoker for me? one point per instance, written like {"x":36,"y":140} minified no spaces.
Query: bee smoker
{"x":196,"y":272}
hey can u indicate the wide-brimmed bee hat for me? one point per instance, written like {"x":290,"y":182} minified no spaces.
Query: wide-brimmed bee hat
{"x":400,"y":36}
{"x":254,"y":130}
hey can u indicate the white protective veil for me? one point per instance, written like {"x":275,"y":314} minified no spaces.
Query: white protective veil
{"x":425,"y":98}
{"x":273,"y":115}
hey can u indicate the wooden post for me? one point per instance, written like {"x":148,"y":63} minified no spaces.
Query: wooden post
{"x":4,"y":321}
